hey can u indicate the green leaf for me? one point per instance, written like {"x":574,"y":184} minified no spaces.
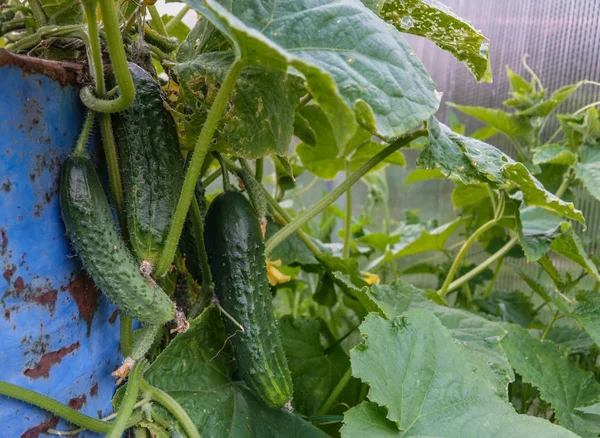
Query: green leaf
{"x":465,"y":195}
{"x":414,"y":239}
{"x":544,"y":108}
{"x":569,"y":245}
{"x":546,"y":366}
{"x":417,"y":371}
{"x":292,"y":251}
{"x":303,"y":130}
{"x":535,"y":286}
{"x":418,"y":175}
{"x":368,"y":150}
{"x":472,"y":162}
{"x":436,"y":22}
{"x":512,"y":307}
{"x":538,"y":228}
{"x":347,"y":73}
{"x":587,"y":313}
{"x":478,"y":337}
{"x":259,"y":119}
{"x":378,"y":241}
{"x":517,"y":83}
{"x":196,"y":373}
{"x":314,"y":373}
{"x":73,"y":15}
{"x":368,"y":420}
{"x":574,"y":339}
{"x":509,"y":124}
{"x":180,"y":31}
{"x":554,"y":154}
{"x":588,"y":169}
{"x":534,"y":193}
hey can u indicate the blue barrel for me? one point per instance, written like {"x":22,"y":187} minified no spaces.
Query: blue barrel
{"x":59,"y":334}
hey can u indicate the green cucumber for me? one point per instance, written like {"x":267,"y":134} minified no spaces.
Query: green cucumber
{"x":91,"y":227}
{"x":237,"y":261}
{"x":151,"y":164}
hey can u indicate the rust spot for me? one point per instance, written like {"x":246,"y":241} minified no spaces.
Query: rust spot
{"x":48,"y":360}
{"x":35,"y":432}
{"x":32,"y":177}
{"x":6,"y":185}
{"x":48,"y":298}
{"x":94,"y":390}
{"x":7,"y":314}
{"x":86,"y":295}
{"x":114,"y":315}
{"x":62,"y":72}
{"x":8,"y":272}
{"x":77,"y":402}
{"x":18,"y":285}
{"x":3,"y":242}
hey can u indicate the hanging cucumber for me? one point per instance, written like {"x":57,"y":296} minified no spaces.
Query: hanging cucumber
{"x":90,"y":225}
{"x":236,"y":256}
{"x":151,"y":164}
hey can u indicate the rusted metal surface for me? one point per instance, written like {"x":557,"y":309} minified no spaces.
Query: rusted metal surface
{"x":59,"y":334}
{"x":64,"y":73}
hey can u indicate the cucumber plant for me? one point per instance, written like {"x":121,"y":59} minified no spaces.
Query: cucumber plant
{"x":312,"y":333}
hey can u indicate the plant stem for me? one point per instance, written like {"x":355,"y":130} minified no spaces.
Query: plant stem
{"x":461,"y":253}
{"x":53,"y":406}
{"x":550,"y":324}
{"x":157,"y":22}
{"x":224,"y":171}
{"x":82,"y":140}
{"x":206,"y":289}
{"x":321,"y":205}
{"x":258,"y":171}
{"x":564,"y":185}
{"x":38,"y":13}
{"x":193,"y":170}
{"x":212,"y":177}
{"x":116,"y":51}
{"x":125,"y":334}
{"x":173,"y":407}
{"x":336,"y":392}
{"x":173,"y":22}
{"x":483,"y":265}
{"x":112,"y":164}
{"x":348,"y":217}
{"x":129,"y":400}
{"x":490,"y":286}
{"x":94,"y":53}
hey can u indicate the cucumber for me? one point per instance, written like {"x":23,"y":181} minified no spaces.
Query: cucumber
{"x":151,"y":164}
{"x":91,"y":227}
{"x":237,"y":260}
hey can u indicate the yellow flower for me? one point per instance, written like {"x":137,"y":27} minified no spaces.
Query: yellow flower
{"x":370,"y":278}
{"x":274,"y":275}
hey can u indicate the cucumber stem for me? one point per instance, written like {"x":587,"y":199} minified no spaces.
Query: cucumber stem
{"x":116,"y":51}
{"x":53,"y":406}
{"x":224,"y":171}
{"x":335,"y":392}
{"x":129,"y":400}
{"x":173,"y":22}
{"x":82,"y":140}
{"x":465,"y":247}
{"x":258,"y":169}
{"x":321,"y":205}
{"x":126,"y":334}
{"x":93,"y":45}
{"x":173,"y":407}
{"x":193,"y":171}
{"x":211,"y":178}
{"x":348,"y":218}
{"x":157,"y":22}
{"x":206,"y":289}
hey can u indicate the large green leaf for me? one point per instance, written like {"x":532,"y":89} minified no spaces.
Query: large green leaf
{"x":259,"y":119}
{"x":478,"y":338}
{"x":314,"y":373}
{"x":588,"y":169}
{"x":472,"y":161}
{"x":465,"y":195}
{"x":418,"y":175}
{"x":195,"y":369}
{"x":436,"y":22}
{"x":569,"y":245}
{"x":539,"y":227}
{"x":546,"y":366}
{"x":417,"y":371}
{"x":346,"y":54}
